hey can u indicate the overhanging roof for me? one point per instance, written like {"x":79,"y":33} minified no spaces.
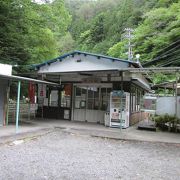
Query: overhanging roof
{"x":141,"y":83}
{"x":20,"y":78}
{"x":85,"y":53}
{"x":167,"y":85}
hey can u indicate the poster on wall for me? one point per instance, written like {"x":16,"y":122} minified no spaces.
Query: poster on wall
{"x":41,"y":94}
{"x":54,"y":98}
{"x":42,"y":90}
{"x":68,"y":89}
{"x":115,"y":115}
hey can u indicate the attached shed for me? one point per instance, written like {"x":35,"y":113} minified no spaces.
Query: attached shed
{"x":168,"y":103}
{"x":5,"y":78}
{"x":86,"y":83}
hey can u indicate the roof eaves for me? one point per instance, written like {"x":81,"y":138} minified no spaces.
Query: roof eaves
{"x":54,"y":60}
{"x":85,"y":53}
{"x":103,"y":56}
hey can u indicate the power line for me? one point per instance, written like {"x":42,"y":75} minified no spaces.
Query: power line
{"x":170,"y":54}
{"x":172,"y":44}
{"x":169,"y":62}
{"x":164,"y":53}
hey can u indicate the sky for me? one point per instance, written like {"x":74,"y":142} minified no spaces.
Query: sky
{"x":42,"y":1}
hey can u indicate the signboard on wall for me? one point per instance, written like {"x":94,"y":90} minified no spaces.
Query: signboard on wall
{"x":54,"y":98}
{"x":41,"y":94}
{"x":41,"y":90}
{"x":6,"y":69}
{"x":91,"y":80}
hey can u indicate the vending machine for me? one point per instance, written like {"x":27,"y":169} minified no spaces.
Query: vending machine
{"x":119,"y":109}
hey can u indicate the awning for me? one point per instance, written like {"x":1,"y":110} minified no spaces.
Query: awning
{"x":141,"y":83}
{"x":20,"y":78}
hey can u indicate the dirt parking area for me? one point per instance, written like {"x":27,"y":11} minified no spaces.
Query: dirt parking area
{"x":61,"y":155}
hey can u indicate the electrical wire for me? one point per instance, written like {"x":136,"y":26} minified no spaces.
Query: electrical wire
{"x":162,"y":58}
{"x":167,"y":51}
{"x":170,"y":63}
{"x":170,"y":53}
{"x":163,"y":54}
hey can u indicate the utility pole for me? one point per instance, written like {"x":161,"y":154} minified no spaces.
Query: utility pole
{"x":129,"y":36}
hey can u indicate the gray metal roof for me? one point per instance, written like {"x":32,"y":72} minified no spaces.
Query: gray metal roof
{"x":85,"y":53}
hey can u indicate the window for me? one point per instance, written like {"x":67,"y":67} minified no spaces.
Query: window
{"x":105,"y":99}
{"x":53,"y":100}
{"x":80,"y":98}
{"x":135,"y":98}
{"x":92,"y":98}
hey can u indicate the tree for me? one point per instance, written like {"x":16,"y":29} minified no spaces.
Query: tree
{"x":97,"y":29}
{"x":12,"y":30}
{"x":66,"y":44}
{"x":159,"y":29}
{"x":30,"y":31}
{"x":118,"y":50}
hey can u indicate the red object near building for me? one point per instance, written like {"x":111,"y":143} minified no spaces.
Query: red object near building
{"x":68,"y":89}
{"x":31,"y":91}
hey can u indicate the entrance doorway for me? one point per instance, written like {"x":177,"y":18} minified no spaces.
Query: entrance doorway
{"x":91,"y":102}
{"x":56,"y":104}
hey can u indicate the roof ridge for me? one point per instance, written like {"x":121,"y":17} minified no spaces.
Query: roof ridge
{"x":83,"y":52}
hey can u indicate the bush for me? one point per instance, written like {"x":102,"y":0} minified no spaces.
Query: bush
{"x":166,"y":122}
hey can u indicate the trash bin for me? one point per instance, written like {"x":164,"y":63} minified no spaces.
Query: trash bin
{"x":107,"y":119}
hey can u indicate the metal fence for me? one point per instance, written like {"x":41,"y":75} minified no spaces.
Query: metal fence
{"x":26,"y":112}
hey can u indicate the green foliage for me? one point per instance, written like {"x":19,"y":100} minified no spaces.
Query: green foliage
{"x":162,"y":121}
{"x":66,"y":44}
{"x":97,"y":29}
{"x":159,"y":29}
{"x":156,"y":30}
{"x":104,"y":21}
{"x":160,"y":77}
{"x":30,"y":31}
{"x":12,"y":44}
{"x":118,"y":50}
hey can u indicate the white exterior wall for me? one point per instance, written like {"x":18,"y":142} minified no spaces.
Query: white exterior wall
{"x":88,"y":63}
{"x":167,"y":105}
{"x":5,"y":69}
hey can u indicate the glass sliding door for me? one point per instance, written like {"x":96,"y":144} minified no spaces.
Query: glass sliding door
{"x":90,"y":103}
{"x":80,"y":99}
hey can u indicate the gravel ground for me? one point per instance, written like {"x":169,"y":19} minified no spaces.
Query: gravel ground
{"x":59,"y":155}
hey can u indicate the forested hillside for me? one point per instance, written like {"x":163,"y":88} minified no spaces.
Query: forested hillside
{"x":31,"y":32}
{"x":98,"y":26}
